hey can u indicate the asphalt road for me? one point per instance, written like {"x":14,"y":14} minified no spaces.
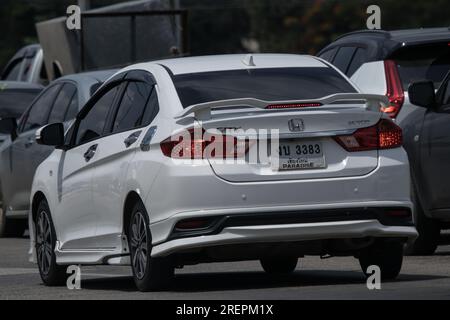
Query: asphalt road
{"x":335,"y":278}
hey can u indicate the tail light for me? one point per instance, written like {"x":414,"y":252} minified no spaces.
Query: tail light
{"x":197,"y":143}
{"x":394,"y":92}
{"x":384,"y":135}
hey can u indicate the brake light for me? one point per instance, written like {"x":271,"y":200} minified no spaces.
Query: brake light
{"x":294,"y":105}
{"x":384,"y":135}
{"x":197,"y":143}
{"x":394,"y":91}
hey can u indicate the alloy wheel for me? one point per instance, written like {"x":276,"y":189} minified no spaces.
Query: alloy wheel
{"x":44,"y":242}
{"x":139,"y":248}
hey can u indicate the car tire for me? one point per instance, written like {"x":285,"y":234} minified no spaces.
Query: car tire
{"x":429,"y":232}
{"x":2,"y":222}
{"x":149,"y":274}
{"x":279,"y":265}
{"x":11,"y":227}
{"x":51,"y":273}
{"x":387,"y":255}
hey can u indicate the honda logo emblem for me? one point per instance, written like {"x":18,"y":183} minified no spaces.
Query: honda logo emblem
{"x":296,"y":125}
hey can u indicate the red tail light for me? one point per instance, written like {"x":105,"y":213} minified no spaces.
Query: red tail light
{"x":198,"y":144}
{"x":394,"y":92}
{"x":294,"y":105}
{"x":384,"y":135}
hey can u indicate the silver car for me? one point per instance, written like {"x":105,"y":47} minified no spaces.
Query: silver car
{"x":20,"y":155}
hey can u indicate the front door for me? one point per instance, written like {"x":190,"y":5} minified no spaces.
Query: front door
{"x":435,"y":152}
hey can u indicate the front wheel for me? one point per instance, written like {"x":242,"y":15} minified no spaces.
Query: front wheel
{"x":51,"y":273}
{"x":149,"y":274}
{"x":387,"y":255}
{"x":279,"y":265}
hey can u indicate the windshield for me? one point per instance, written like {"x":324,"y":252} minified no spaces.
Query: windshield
{"x":430,"y":62}
{"x":13,"y":102}
{"x":272,"y":84}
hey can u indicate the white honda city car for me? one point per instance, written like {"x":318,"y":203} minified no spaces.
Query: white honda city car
{"x":222,"y":158}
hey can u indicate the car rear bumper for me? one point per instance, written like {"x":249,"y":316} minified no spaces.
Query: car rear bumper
{"x":286,"y":233}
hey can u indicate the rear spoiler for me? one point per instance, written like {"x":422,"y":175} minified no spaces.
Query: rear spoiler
{"x":202,"y":111}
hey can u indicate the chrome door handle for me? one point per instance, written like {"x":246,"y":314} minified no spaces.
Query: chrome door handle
{"x":132,"y":138}
{"x":90,"y":152}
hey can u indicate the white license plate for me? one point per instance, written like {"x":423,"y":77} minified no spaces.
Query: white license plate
{"x":300,"y":155}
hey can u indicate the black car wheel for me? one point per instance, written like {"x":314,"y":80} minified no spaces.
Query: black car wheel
{"x":279,"y":265}
{"x":387,"y":255}
{"x":149,"y":273}
{"x":51,"y":273}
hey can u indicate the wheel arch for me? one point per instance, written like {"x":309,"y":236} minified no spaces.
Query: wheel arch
{"x":131,"y":199}
{"x":37,"y":198}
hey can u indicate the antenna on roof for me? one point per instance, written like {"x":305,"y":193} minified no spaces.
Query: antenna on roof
{"x":248,"y":60}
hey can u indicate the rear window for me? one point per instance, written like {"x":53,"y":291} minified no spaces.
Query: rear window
{"x":272,"y":84}
{"x":13,"y":102}
{"x":430,"y":62}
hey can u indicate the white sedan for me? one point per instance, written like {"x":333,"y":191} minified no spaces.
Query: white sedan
{"x":222,"y":158}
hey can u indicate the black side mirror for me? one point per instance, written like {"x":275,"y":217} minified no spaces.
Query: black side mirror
{"x":9,"y":126}
{"x":51,"y":135}
{"x":422,"y":94}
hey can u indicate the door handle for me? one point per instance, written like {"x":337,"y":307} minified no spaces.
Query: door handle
{"x":132,"y":138}
{"x":90,"y":152}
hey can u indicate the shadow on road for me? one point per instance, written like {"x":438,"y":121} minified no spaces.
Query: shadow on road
{"x":201,"y":282}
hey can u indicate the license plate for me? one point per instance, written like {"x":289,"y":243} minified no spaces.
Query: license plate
{"x":300,"y":155}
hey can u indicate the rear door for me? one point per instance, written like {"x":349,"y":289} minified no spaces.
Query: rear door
{"x":115,"y":152}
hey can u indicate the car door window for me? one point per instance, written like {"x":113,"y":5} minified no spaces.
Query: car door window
{"x":359,"y":57}
{"x":343,"y":58}
{"x":62,"y":103}
{"x":132,"y":106}
{"x":14,"y":70}
{"x":92,"y":125}
{"x":37,"y":116}
{"x":73,"y":109}
{"x":151,"y":109}
{"x":329,"y":55}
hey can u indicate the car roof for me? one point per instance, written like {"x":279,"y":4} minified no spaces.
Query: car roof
{"x":94,"y":76}
{"x":19,"y":85}
{"x":385,"y":42}
{"x":211,"y":63}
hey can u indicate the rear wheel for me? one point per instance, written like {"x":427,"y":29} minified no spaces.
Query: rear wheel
{"x":428,"y":229}
{"x":149,"y":273}
{"x":51,"y":273}
{"x":387,"y":255}
{"x":429,"y":234}
{"x":279,"y":265}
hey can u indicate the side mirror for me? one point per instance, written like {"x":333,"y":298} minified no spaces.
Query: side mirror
{"x":51,"y":135}
{"x":422,"y":94}
{"x":9,"y":126}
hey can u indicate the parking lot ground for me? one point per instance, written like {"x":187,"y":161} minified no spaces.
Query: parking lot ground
{"x":335,"y":278}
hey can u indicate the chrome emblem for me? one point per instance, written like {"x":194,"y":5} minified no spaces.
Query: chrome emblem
{"x":296,"y":125}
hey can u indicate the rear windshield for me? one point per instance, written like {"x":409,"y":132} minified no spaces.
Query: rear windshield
{"x":430,"y":62}
{"x":14,"y":102}
{"x":272,"y":84}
